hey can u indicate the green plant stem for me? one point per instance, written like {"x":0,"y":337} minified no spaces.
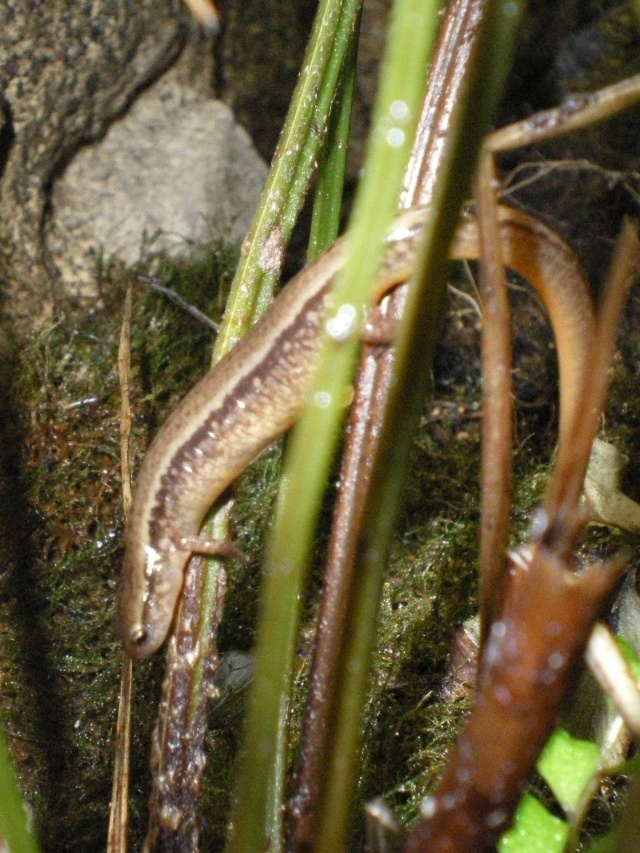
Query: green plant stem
{"x":325,"y":223}
{"x":291,"y":169}
{"x":415,"y":349}
{"x":217,"y":527}
{"x":411,"y":38}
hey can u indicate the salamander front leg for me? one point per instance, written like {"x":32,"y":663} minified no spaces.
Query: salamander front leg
{"x":210,"y":547}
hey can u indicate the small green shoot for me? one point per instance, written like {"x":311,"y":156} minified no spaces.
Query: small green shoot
{"x":535,"y":830}
{"x":568,"y":764}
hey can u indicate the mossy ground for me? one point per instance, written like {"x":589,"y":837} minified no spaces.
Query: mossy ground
{"x":61,"y":547}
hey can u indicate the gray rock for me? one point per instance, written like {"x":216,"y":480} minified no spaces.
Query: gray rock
{"x":175,"y":171}
{"x":67,"y":70}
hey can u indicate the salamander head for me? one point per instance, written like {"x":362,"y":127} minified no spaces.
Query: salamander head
{"x":151,"y":584}
{"x":142,"y":639}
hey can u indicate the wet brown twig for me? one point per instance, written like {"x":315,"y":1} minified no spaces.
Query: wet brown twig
{"x":174,"y":823}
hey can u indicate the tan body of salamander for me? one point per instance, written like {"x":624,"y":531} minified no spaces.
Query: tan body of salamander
{"x":255,"y":393}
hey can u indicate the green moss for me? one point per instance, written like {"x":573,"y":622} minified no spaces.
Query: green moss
{"x":61,"y":539}
{"x":61,"y":542}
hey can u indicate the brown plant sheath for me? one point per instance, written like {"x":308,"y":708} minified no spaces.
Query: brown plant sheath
{"x":529,"y":657}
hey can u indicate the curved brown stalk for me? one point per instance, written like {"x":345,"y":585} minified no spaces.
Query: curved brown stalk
{"x":573,"y":456}
{"x":575,"y":113}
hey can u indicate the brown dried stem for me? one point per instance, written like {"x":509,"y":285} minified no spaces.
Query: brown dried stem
{"x":497,"y":401}
{"x":539,"y":636}
{"x":119,"y":810}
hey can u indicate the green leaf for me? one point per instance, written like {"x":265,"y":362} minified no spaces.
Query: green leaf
{"x":535,"y":830}
{"x":630,"y":656}
{"x":567,"y":764}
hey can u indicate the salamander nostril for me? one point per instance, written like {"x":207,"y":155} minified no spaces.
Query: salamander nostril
{"x":139,"y":636}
